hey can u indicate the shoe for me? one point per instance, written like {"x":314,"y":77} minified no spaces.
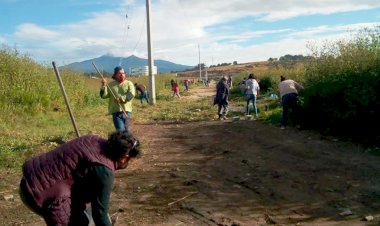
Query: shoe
{"x":282,"y":127}
{"x":225,"y":118}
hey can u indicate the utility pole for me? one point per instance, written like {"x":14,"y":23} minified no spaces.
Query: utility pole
{"x":200,"y":68}
{"x":152,"y":85}
{"x":206,"y":75}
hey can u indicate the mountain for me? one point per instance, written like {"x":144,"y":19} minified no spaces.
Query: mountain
{"x":107,"y":63}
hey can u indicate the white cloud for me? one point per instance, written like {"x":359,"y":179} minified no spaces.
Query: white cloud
{"x":178,"y":26}
{"x":33,"y":31}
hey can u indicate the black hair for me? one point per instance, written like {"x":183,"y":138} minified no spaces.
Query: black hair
{"x":116,"y":70}
{"x":282,"y":78}
{"x":121,"y":143}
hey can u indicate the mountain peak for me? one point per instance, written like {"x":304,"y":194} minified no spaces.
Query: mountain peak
{"x":108,"y":62}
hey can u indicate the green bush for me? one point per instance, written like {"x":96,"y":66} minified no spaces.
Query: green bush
{"x":342,"y":95}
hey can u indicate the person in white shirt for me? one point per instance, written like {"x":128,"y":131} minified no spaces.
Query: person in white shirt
{"x":252,"y":90}
{"x":289,"y":95}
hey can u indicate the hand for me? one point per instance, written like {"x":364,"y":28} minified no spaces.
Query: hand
{"x":104,"y":82}
{"x":114,"y":219}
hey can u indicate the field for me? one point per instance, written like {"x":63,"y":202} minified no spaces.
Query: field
{"x":211,"y":172}
{"x":197,"y":170}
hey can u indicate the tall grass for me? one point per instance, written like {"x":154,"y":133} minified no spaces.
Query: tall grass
{"x":30,"y":88}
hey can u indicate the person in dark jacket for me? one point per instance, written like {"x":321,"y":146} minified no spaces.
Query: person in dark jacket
{"x":59,"y":184}
{"x":221,"y":98}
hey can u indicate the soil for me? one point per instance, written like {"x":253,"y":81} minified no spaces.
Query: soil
{"x":236,"y":173}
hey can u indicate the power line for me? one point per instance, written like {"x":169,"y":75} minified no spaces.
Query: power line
{"x":128,"y":23}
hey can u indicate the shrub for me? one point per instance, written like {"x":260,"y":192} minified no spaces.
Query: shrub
{"x":342,"y":95}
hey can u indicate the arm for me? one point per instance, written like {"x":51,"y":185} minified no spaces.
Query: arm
{"x":258,"y":88}
{"x":103,"y":90}
{"x":298,"y":86}
{"x":129,"y":94}
{"x":102,"y":182}
{"x":132,"y":90}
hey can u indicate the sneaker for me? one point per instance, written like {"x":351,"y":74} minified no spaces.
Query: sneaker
{"x":225,"y":118}
{"x":282,"y":127}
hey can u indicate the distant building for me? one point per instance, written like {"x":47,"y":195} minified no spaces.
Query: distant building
{"x":141,"y":71}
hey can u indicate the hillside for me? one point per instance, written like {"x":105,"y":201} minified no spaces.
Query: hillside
{"x":228,"y":69}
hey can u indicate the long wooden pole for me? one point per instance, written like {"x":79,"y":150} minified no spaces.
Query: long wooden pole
{"x":66,"y":99}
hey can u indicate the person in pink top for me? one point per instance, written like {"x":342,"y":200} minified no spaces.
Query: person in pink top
{"x":289,"y":95}
{"x":175,"y":88}
{"x":186,"y":82}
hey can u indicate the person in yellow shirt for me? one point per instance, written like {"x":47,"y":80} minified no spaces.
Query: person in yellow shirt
{"x":120,"y":93}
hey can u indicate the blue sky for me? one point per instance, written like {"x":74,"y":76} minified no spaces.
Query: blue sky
{"x":69,"y":31}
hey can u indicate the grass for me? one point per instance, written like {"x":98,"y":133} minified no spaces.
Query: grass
{"x":24,"y":135}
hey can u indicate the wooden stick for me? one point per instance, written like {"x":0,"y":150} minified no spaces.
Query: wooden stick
{"x":185,"y":197}
{"x":66,"y":99}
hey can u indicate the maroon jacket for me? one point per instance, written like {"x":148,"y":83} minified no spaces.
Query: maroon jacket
{"x":50,"y":176}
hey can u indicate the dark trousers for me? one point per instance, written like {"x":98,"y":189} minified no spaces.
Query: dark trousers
{"x":55,"y":213}
{"x":222,"y":110}
{"x":289,"y":102}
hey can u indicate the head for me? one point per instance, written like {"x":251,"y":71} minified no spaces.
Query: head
{"x":122,"y":146}
{"x":282,"y":78}
{"x":135,"y":84}
{"x":118,"y":74}
{"x":251,"y":76}
{"x":223,"y":79}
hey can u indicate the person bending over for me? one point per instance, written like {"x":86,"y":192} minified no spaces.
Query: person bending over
{"x":59,"y":184}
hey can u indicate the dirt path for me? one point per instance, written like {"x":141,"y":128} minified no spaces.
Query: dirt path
{"x":240,"y":173}
{"x":246,"y":173}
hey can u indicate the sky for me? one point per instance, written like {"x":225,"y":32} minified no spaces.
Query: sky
{"x":182,"y":31}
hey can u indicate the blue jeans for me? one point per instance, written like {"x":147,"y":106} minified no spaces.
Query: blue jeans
{"x":121,"y":121}
{"x":251,"y":97}
{"x":144,"y":96}
{"x":289,"y":101}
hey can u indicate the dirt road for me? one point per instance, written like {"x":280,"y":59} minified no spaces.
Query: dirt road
{"x":247,"y":173}
{"x":240,"y":173}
